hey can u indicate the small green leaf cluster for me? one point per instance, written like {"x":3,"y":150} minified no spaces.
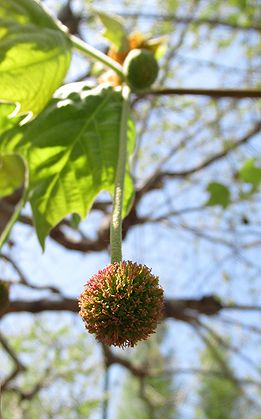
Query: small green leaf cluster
{"x":219,"y":194}
{"x":250,"y":173}
{"x":122,"y":304}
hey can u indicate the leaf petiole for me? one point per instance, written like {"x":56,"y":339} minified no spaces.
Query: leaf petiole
{"x":5,"y":234}
{"x":98,"y":55}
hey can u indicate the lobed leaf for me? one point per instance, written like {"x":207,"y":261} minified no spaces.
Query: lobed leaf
{"x":34,"y":55}
{"x":72,"y":151}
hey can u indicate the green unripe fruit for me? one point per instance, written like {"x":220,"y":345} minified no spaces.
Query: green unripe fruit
{"x":4,"y":296}
{"x":140,"y":68}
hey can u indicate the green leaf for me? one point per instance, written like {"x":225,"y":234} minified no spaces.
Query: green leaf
{"x":6,"y":122}
{"x":219,"y":194}
{"x":250,"y":173}
{"x":72,"y":149}
{"x":12,"y":173}
{"x":158,"y":46}
{"x":34,"y":55}
{"x":114,"y":31}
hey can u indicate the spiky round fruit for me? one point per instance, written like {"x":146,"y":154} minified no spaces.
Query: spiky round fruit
{"x":140,"y":68}
{"x":4,"y":296}
{"x":122,"y":304}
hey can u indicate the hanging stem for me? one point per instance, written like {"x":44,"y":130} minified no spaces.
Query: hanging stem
{"x":116,"y":222}
{"x":5,"y":234}
{"x":98,"y":55}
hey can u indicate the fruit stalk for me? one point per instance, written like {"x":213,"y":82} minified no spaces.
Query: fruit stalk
{"x":116,"y":222}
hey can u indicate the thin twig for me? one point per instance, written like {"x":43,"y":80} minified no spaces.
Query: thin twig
{"x":22,"y":278}
{"x":213,"y":93}
{"x":190,"y":19}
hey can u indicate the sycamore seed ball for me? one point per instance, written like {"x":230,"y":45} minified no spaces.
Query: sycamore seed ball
{"x":140,"y":68}
{"x":122,"y":304}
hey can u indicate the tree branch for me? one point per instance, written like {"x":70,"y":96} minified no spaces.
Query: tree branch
{"x":22,"y":278}
{"x":30,"y":394}
{"x":179,"y":309}
{"x":214,"y":93}
{"x":158,"y":177}
{"x":111,"y":358}
{"x":18,"y":364}
{"x":191,"y":19}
